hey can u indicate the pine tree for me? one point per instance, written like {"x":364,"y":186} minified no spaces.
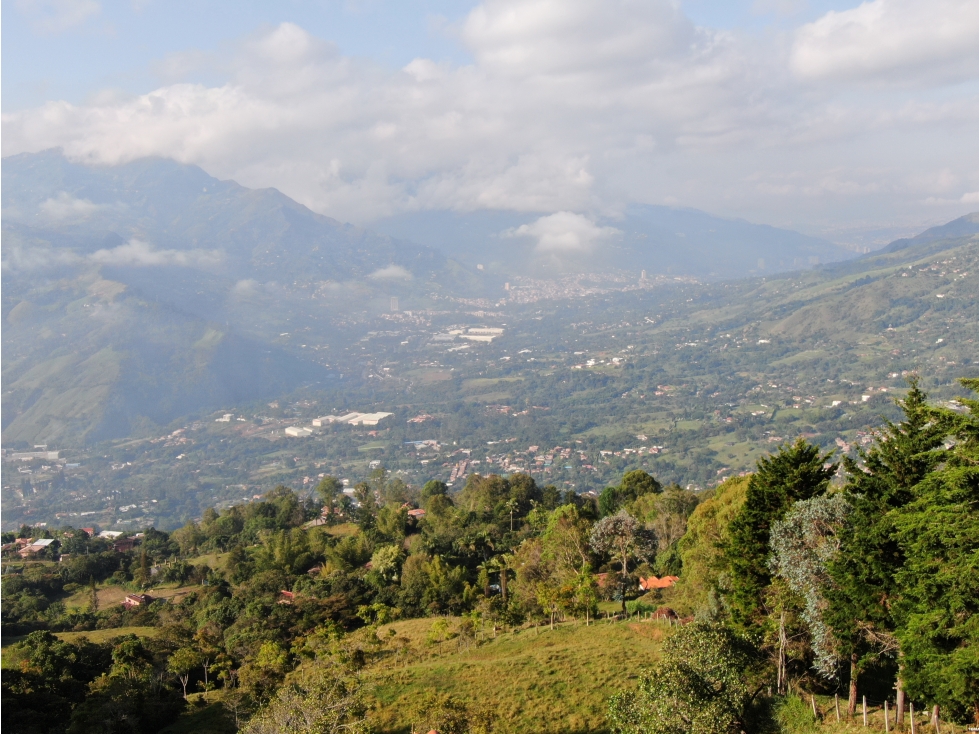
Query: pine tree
{"x":938,"y":611}
{"x":797,"y":472}
{"x":865,"y":589}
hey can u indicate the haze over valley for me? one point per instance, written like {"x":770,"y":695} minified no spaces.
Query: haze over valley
{"x":489,"y":367}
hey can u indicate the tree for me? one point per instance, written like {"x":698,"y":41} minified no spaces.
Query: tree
{"x":803,"y":544}
{"x":865,"y":572}
{"x":938,"y":534}
{"x":637,"y":483}
{"x":182,"y":663}
{"x":565,"y":540}
{"x":433,"y":488}
{"x":620,"y":535}
{"x":328,"y":700}
{"x":699,"y":687}
{"x":367,"y":505}
{"x":439,"y":633}
{"x":796,"y":472}
{"x":449,"y":714}
{"x":330,"y":489}
{"x":702,"y":546}
{"x":130,"y":658}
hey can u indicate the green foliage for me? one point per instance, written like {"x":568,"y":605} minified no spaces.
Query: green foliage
{"x":700,"y":687}
{"x":448,"y":714}
{"x":803,"y":545}
{"x":796,"y":472}
{"x":794,"y":716}
{"x":865,"y":572}
{"x":327,"y":699}
{"x":938,"y":611}
{"x":701,"y":548}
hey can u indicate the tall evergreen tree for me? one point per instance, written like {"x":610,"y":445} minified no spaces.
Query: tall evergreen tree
{"x":938,"y":611}
{"x":862,"y":598}
{"x":797,"y":472}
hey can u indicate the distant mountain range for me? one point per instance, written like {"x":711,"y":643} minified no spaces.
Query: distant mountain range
{"x":658,"y":239}
{"x":137,"y":294}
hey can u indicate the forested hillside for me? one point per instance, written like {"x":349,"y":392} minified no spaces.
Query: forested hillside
{"x":507,"y":606}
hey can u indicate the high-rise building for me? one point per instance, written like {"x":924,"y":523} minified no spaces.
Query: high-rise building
{"x":394,"y":303}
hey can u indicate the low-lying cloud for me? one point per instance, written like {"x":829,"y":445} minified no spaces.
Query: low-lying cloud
{"x":564,"y":233}
{"x":20,"y":256}
{"x":391,"y":272}
{"x":142,"y":254}
{"x":66,"y":209}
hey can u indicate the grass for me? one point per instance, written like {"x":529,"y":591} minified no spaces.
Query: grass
{"x":794,"y":716}
{"x":212,"y":560}
{"x":112,"y":595}
{"x":537,"y":680}
{"x":106,"y":635}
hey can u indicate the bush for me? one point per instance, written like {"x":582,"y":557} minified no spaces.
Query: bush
{"x":794,"y":716}
{"x":638,"y":606}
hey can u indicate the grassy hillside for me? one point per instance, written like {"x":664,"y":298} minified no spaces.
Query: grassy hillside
{"x":536,"y":680}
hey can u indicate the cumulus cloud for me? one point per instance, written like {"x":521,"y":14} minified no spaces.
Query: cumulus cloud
{"x":57,"y":16}
{"x":900,"y":40}
{"x":64,"y":208}
{"x":564,"y":233}
{"x":138,"y":253}
{"x":970,"y":198}
{"x":391,"y":272}
{"x":568,"y":105}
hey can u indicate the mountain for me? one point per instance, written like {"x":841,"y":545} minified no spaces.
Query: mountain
{"x":207,"y":224}
{"x":658,"y":239}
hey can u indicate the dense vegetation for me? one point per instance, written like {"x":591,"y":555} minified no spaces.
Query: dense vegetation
{"x":308,"y":613}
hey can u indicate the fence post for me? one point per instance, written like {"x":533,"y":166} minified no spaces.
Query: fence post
{"x":864,"y":710}
{"x":934,"y":720}
{"x":887,"y":718}
{"x":812,"y":700}
{"x":836,"y":700}
{"x":911,"y":714}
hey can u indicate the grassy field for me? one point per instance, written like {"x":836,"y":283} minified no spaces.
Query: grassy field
{"x":106,"y":635}
{"x":536,"y":680}
{"x":112,"y":595}
{"x":212,"y":560}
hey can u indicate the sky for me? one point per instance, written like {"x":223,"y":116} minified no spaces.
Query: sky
{"x":859,"y":122}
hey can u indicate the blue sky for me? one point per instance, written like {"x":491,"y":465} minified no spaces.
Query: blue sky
{"x":72,"y":51}
{"x":839,"y":118}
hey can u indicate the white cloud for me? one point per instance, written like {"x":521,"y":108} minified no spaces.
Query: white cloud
{"x":970,"y":198}
{"x":569,"y":105}
{"x":564,"y":233}
{"x":139,"y":253}
{"x":391,"y":272}
{"x":901,"y":40}
{"x":65,"y":208}
{"x":57,"y":16}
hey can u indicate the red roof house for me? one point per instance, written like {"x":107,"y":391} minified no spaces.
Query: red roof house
{"x":652,"y":582}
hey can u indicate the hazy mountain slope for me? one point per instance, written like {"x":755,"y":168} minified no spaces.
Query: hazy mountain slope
{"x":658,"y":239}
{"x":251,"y":233}
{"x":84,"y":359}
{"x":925,"y":284}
